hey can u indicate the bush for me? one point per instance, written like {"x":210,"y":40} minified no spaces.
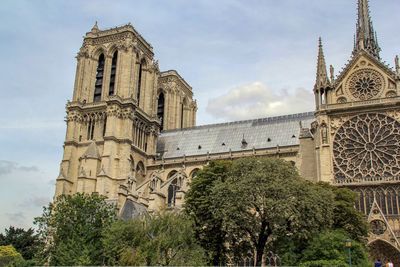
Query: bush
{"x":8,"y":254}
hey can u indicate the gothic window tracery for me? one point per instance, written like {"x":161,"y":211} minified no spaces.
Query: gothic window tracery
{"x":365,"y":84}
{"x":378,"y":227}
{"x":99,"y":79}
{"x":367,"y":148}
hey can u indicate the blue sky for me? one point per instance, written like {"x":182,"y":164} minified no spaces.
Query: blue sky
{"x":243,"y":58}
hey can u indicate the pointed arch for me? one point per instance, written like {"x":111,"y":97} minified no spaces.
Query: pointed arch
{"x":193,"y":173}
{"x":384,"y":250}
{"x":380,"y":197}
{"x":140,"y":172}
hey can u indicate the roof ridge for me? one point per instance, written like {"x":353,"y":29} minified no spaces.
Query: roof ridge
{"x":273,"y":118}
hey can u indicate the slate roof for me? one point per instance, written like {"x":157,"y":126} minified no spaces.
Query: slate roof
{"x":237,"y":136}
{"x":133,"y":210}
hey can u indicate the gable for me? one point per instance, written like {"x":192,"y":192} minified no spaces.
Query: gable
{"x":364,"y":78}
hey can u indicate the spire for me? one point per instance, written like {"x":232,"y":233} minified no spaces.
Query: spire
{"x":365,"y":38}
{"x":322,"y":80}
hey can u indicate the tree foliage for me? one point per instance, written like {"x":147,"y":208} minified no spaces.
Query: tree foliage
{"x":164,"y":239}
{"x":262,"y":204}
{"x":198,"y":203}
{"x":263,"y":199}
{"x":8,"y":254}
{"x":330,"y":246}
{"x":24,"y":241}
{"x":72,"y":227}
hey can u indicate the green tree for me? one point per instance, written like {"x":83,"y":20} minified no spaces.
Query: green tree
{"x":198,"y":200}
{"x":163,"y":239}
{"x":24,"y":241}
{"x":8,"y":254}
{"x":345,"y":216}
{"x":264,"y":199}
{"x":330,"y":246}
{"x":72,"y":227}
{"x":346,"y":219}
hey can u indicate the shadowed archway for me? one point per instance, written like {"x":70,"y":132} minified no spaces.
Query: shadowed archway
{"x":384,"y":251}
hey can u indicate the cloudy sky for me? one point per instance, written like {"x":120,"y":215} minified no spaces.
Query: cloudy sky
{"x":244,"y":59}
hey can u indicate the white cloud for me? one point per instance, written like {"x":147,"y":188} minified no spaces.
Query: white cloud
{"x":257,"y":100}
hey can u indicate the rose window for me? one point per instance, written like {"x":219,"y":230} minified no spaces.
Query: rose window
{"x":378,"y":227}
{"x":367,"y":147}
{"x":365,"y":84}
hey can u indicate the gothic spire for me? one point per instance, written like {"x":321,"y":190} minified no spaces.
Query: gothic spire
{"x":365,"y":38}
{"x":322,"y":80}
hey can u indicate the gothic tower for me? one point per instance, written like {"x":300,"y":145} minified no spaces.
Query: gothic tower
{"x":357,"y":132}
{"x":121,"y":102}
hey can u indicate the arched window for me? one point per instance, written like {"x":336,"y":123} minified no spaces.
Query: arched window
{"x":172,"y":188}
{"x":172,"y":173}
{"x":140,"y":175}
{"x":381,"y":199}
{"x":194,"y":173}
{"x":160,"y":109}
{"x":99,"y":79}
{"x":91,"y":125}
{"x":139,"y":81}
{"x":113,"y":73}
{"x":369,"y":198}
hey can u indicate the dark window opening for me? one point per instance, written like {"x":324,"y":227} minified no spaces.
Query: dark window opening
{"x":99,"y":79}
{"x":104,"y":126}
{"x":160,"y":109}
{"x":139,"y":81}
{"x":173,"y":187}
{"x":113,"y":73}
{"x":90,"y":133}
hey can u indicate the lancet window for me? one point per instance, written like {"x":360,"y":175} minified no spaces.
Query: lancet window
{"x":99,"y":79}
{"x":387,"y":200}
{"x":139,"y":85}
{"x":90,"y":129}
{"x":160,"y":109}
{"x":113,"y":73}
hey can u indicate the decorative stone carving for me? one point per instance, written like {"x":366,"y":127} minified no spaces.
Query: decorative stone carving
{"x":367,"y":146}
{"x":342,"y":100}
{"x":365,"y":84}
{"x":324,"y":132}
{"x":378,"y":227}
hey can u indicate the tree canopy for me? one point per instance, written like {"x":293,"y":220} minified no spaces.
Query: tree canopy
{"x":166,"y":238}
{"x":262,"y":204}
{"x":198,"y":203}
{"x":24,"y":241}
{"x":73,"y":228}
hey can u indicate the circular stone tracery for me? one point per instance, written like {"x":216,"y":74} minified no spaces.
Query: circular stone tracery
{"x":378,"y":227}
{"x":365,"y":84}
{"x":367,"y":146}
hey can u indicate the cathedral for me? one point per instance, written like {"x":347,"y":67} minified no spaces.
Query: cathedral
{"x":132,"y":134}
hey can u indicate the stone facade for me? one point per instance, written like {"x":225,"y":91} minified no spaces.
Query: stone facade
{"x":131,"y":133}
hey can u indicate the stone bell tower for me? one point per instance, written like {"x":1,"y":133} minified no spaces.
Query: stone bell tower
{"x":121,"y":102}
{"x":112,"y":123}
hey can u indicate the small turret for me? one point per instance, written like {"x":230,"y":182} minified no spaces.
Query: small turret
{"x":322,"y":83}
